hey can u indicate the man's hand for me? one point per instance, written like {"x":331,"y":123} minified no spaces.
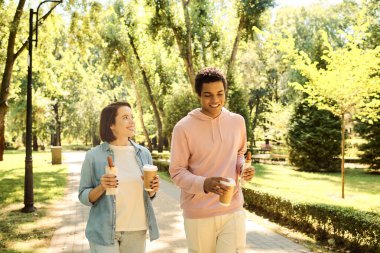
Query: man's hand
{"x":248,"y":173}
{"x":212,"y":184}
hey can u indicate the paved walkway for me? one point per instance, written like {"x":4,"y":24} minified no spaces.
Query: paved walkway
{"x":70,"y":238}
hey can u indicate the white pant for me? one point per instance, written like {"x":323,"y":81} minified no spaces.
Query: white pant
{"x":125,"y":242}
{"x":219,"y":234}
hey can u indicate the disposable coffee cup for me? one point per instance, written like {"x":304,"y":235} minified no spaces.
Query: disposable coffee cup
{"x":225,"y":199}
{"x":112,"y":171}
{"x":150,"y":172}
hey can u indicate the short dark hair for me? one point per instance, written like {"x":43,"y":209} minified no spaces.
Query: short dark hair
{"x":208,"y":75}
{"x":107,"y":119}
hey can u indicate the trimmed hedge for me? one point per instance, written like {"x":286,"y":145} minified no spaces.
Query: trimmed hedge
{"x":355,"y":230}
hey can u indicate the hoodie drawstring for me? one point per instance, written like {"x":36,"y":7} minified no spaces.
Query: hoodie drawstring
{"x":212,"y":129}
{"x":220,"y":130}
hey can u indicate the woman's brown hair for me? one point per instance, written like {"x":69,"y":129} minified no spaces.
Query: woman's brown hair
{"x":107,"y":119}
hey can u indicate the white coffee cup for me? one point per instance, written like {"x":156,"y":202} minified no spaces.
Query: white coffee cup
{"x":225,"y":199}
{"x":150,"y":171}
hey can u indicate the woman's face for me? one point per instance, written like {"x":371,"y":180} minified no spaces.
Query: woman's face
{"x":124,"y":124}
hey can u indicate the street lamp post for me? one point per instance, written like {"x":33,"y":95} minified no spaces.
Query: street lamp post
{"x":28,"y":188}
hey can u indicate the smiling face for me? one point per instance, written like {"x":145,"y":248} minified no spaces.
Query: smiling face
{"x":124,"y":126}
{"x":212,"y":98}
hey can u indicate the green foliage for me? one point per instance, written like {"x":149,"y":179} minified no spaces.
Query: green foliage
{"x":349,"y":80}
{"x":238,"y":103}
{"x":178,"y":106}
{"x":314,"y":139}
{"x":355,"y":230}
{"x":161,"y":165}
{"x":250,"y":12}
{"x":371,"y":149}
{"x":277,"y":120}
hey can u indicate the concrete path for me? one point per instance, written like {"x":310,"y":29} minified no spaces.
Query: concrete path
{"x":70,"y":238}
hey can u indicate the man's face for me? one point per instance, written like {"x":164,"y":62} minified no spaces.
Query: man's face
{"x":212,"y":98}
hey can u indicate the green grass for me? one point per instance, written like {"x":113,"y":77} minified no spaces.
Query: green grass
{"x":164,"y":175}
{"x":20,"y":232}
{"x":362,"y":190}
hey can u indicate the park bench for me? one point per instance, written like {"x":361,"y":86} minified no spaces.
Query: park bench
{"x":270,"y":158}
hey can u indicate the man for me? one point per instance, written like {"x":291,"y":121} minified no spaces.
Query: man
{"x":208,"y":146}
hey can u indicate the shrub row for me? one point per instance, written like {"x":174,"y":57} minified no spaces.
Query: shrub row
{"x":355,"y":230}
{"x":163,"y":156}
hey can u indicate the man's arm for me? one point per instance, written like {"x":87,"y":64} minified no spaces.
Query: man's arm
{"x":179,"y":164}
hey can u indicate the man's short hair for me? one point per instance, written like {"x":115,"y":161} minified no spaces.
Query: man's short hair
{"x":209,"y":75}
{"x":107,"y":119}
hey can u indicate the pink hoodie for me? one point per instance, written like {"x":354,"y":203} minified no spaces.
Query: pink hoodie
{"x":205,"y":147}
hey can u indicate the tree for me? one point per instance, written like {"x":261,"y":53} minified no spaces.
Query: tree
{"x":349,"y":80}
{"x":194,"y":32}
{"x":11,"y":57}
{"x":313,"y":139}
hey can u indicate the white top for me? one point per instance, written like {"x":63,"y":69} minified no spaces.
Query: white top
{"x":130,"y":209}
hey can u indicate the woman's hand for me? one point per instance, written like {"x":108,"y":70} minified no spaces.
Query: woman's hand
{"x":154,"y":185}
{"x":108,"y":181}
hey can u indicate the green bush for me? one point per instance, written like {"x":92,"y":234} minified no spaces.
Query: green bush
{"x":314,"y":139}
{"x":178,"y":106}
{"x":162,"y":156}
{"x":371,"y":149}
{"x":162,"y":165}
{"x":238,"y":103}
{"x":355,"y":230}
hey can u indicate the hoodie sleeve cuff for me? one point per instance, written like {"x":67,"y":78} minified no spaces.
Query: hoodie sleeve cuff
{"x":199,"y":185}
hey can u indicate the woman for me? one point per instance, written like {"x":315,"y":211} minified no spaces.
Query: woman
{"x":118,"y":223}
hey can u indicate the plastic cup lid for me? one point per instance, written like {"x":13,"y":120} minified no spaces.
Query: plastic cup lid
{"x":231,"y":182}
{"x":149,"y":167}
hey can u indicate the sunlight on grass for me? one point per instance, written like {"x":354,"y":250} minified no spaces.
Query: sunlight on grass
{"x":361,"y":190}
{"x":165,"y":176}
{"x":29,"y":232}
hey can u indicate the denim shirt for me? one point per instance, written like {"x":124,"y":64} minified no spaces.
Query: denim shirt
{"x":101,"y":222}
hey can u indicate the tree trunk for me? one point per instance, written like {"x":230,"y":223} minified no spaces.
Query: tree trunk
{"x":342,"y":131}
{"x":254,"y":121}
{"x":187,"y":53}
{"x":232,"y":60}
{"x":140,"y":111}
{"x":150,"y":95}
{"x":3,"y":112}
{"x":94,"y":138}
{"x":57,"y":134}
{"x":35,"y":142}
